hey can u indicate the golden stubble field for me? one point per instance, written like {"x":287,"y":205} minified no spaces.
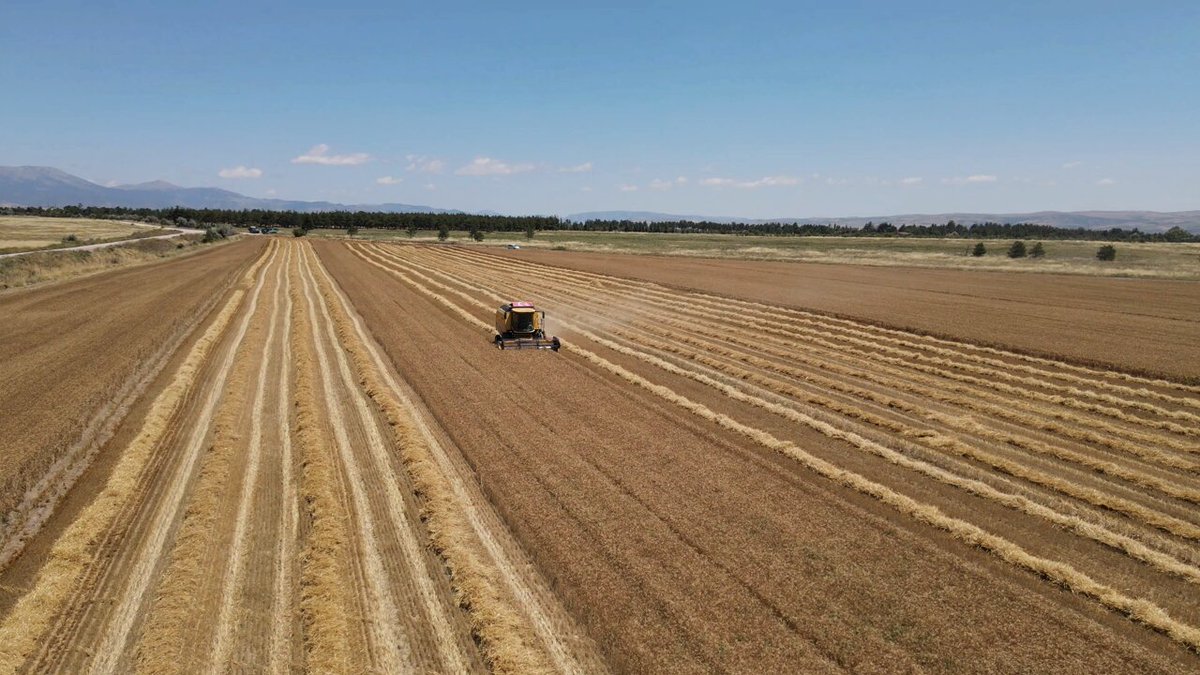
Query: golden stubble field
{"x":18,"y":233}
{"x":319,"y":463}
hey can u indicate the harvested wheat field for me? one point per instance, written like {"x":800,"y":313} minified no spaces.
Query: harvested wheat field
{"x":282,"y":455}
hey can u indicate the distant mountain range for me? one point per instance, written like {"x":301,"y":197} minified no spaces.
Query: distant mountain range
{"x":1146,"y":221}
{"x":46,"y":186}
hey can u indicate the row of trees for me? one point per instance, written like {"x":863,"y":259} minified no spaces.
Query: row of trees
{"x":412,"y":222}
{"x":1018,"y":249}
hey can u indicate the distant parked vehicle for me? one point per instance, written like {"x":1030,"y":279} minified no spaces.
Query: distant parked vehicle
{"x":514,"y":246}
{"x":253,"y":230}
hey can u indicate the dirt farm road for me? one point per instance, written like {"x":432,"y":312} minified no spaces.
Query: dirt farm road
{"x":291,"y":455}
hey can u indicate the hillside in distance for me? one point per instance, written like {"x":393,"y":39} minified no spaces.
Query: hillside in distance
{"x":47,"y":186}
{"x":50,"y":187}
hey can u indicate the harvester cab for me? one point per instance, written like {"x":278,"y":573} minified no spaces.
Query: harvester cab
{"x":520,"y":325}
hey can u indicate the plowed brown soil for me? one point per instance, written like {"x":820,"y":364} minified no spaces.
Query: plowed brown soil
{"x":322,"y":464}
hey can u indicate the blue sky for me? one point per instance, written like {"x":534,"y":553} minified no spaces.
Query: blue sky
{"x":753,"y":109}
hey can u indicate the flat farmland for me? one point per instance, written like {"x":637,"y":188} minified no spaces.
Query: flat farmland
{"x":20,"y":233}
{"x":726,"y":468}
{"x":1130,"y":324}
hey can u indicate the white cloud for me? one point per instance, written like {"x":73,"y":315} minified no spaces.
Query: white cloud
{"x":586,"y":188}
{"x":663,"y":185}
{"x":974,"y":180}
{"x":424,"y":164}
{"x":912,"y":180}
{"x":771,"y":181}
{"x":240,"y":172}
{"x":629,"y":188}
{"x":578,"y":168}
{"x":388,"y":180}
{"x":486,"y":166}
{"x":1106,"y":181}
{"x":765,"y":181}
{"x":319,"y":154}
{"x":1072,"y":165}
{"x":430,"y":186}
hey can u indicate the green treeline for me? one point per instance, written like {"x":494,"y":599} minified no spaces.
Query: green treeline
{"x":483,"y":223}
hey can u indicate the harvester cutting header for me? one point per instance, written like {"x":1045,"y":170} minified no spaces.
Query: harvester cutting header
{"x":520,"y":325}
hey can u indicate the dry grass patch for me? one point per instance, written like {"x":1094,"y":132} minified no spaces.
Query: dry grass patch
{"x":21,"y":233}
{"x":50,"y":266}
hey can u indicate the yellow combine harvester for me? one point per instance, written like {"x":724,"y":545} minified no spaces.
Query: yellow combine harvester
{"x":520,"y":325}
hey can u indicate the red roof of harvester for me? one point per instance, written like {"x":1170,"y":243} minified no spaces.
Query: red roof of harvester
{"x":522,"y":304}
